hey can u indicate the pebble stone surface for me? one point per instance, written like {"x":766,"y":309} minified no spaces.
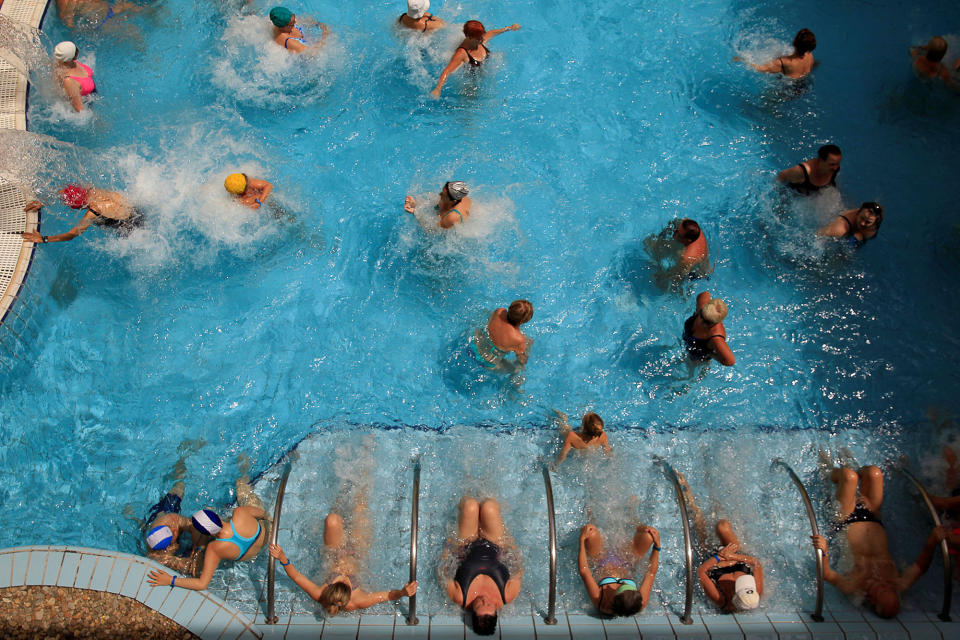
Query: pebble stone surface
{"x":59,"y":613}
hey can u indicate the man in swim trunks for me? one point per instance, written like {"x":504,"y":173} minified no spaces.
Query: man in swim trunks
{"x":418,"y":19}
{"x":483,"y":583}
{"x":617,"y":593}
{"x":684,"y":242}
{"x":799,"y":63}
{"x":927,"y":60}
{"x":102,"y":207}
{"x":453,"y":207}
{"x":809,"y":177}
{"x":502,"y":336}
{"x":75,"y":77}
{"x":874,"y":574}
{"x":239,"y":538}
{"x":288,"y":35}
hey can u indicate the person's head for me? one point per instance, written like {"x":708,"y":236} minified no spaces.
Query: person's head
{"x":627,"y":602}
{"x":869,"y":216}
{"x":335,"y":597}
{"x":282,"y":17}
{"x":74,"y":196}
{"x":416,"y":9}
{"x":160,"y":538}
{"x":520,"y":311}
{"x":885,"y":599}
{"x":592,"y":425}
{"x":687,"y":231}
{"x":454,"y":191}
{"x":473,"y":29}
{"x":65,"y":51}
{"x":936,"y":49}
{"x":745,"y":595}
{"x":207,"y":522}
{"x":483,"y":616}
{"x":829,"y":155}
{"x":804,"y":41}
{"x":714,"y":311}
{"x":236,"y":183}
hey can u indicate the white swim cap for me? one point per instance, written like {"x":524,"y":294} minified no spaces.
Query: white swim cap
{"x":65,"y":51}
{"x":416,"y":8}
{"x":745,"y":595}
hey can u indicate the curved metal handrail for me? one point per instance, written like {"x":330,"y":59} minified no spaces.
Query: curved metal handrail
{"x":414,"y":528}
{"x":552,"y":518}
{"x":274,"y":532}
{"x":687,"y":542}
{"x":817,"y":614}
{"x":944,"y":548}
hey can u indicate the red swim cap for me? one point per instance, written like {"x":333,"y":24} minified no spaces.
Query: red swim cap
{"x":74,"y":196}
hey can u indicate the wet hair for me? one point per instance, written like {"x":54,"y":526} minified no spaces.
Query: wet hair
{"x":473,"y":29}
{"x":828,"y":150}
{"x":627,"y":603}
{"x":336,"y":596}
{"x":886,"y":602}
{"x":592,"y":425}
{"x":804,"y":41}
{"x":936,"y":49}
{"x":689,"y":230}
{"x":484,"y":625}
{"x":877,"y":210}
{"x":714,"y":311}
{"x":520,"y":311}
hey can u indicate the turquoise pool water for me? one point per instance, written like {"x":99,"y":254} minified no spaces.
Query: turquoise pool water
{"x":590,"y":129}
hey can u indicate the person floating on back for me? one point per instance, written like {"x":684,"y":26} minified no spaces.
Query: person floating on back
{"x":472,"y":51}
{"x":252,"y":192}
{"x":288,"y":35}
{"x":418,"y":19}
{"x":810,"y":176}
{"x":799,"y":63}
{"x":75,"y":77}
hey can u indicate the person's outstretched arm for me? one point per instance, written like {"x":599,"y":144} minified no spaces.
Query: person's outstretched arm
{"x":842,"y":582}
{"x":647,"y":585}
{"x":489,"y":35}
{"x":922,"y":563}
{"x":709,"y":587}
{"x":80,"y":227}
{"x":458,"y":57}
{"x":72,"y":89}
{"x":774,"y":66}
{"x":361,"y":599}
{"x":265,"y":188}
{"x":583,"y":567}
{"x":722,"y":351}
{"x":838,"y":227}
{"x":311,"y":588}
{"x":792,"y":175}
{"x":163,"y":579}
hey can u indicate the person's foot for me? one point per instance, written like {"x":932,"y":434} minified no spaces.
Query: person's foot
{"x":825,"y":463}
{"x":847,"y":458}
{"x":243,"y":466}
{"x":178,"y":488}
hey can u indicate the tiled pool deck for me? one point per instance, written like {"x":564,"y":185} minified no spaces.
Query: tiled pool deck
{"x":210,"y":617}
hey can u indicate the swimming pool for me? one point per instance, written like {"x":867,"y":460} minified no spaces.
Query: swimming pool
{"x":212,"y":323}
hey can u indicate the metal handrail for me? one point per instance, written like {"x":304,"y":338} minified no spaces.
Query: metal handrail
{"x":817,"y":614}
{"x":414,"y":526}
{"x":274,"y":532}
{"x":552,"y":518}
{"x":687,"y":542}
{"x":944,"y":548}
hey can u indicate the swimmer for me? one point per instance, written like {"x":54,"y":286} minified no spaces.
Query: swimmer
{"x":473,"y":50}
{"x":617,"y":593}
{"x":502,"y":336}
{"x":591,"y":434}
{"x":811,"y":176}
{"x":483,"y":583}
{"x":250,"y":191}
{"x":799,"y":63}
{"x":95,"y":11}
{"x":75,"y":77}
{"x":684,"y":241}
{"x":874,"y":573}
{"x":855,"y":226}
{"x":732,"y":580}
{"x":927,"y":60}
{"x":418,"y":19}
{"x":241,"y":537}
{"x":164,"y":525}
{"x":102,"y":207}
{"x":703,"y":332}
{"x":288,"y":35}
{"x":453,"y":207}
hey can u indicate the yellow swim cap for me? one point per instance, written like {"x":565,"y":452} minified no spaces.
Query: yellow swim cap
{"x":235,"y":183}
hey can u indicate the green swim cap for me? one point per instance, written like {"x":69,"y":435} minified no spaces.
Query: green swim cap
{"x":281,"y":16}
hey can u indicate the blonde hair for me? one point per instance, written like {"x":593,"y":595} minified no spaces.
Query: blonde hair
{"x":714,"y":311}
{"x":592,"y":426}
{"x":335,"y":597}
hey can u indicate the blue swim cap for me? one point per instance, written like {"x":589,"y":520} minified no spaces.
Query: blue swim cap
{"x":208,"y":522}
{"x":159,"y":538}
{"x":281,"y":16}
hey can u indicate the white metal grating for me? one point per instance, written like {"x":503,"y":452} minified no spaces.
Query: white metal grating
{"x":26,"y":11}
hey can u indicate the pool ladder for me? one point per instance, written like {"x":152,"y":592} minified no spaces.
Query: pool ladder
{"x":944,"y":548}
{"x":551,"y":617}
{"x":274,"y":532}
{"x":687,"y":541}
{"x":414,"y":527}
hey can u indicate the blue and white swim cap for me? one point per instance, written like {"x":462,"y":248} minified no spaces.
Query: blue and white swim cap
{"x":208,"y":522}
{"x":159,"y":538}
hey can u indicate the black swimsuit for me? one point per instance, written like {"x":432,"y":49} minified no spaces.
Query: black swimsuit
{"x":697,"y":348}
{"x":483,"y":558}
{"x":860,"y":513}
{"x":473,"y":61}
{"x":714,"y":573}
{"x":429,"y":19}
{"x":806,"y":187}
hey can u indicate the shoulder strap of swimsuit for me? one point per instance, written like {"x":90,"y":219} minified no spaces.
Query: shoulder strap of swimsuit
{"x":400,"y":19}
{"x":806,"y":174}
{"x":849,"y":224}
{"x":781,"y":63}
{"x":456,"y":212}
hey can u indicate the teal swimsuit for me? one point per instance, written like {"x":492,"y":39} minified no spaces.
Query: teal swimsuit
{"x":494,"y":350}
{"x":243,"y":544}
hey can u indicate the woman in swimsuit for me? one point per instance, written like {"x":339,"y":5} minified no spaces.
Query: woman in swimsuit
{"x":250,"y":191}
{"x":239,"y":538}
{"x":591,"y":434}
{"x":472,"y":51}
{"x":617,"y":594}
{"x":855,"y":226}
{"x":927,"y":60}
{"x":813,"y":175}
{"x":502,"y":336}
{"x":482,"y":584}
{"x":799,"y":63}
{"x":454,"y":205}
{"x":418,"y":19}
{"x":103,"y":208}
{"x":288,"y":35}
{"x":75,"y":77}
{"x":703,"y":332}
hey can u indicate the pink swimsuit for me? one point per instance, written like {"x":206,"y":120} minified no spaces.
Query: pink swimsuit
{"x":86,"y":84}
